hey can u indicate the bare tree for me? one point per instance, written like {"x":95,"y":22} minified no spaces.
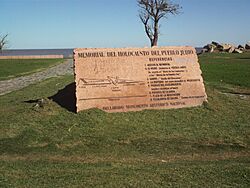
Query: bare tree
{"x":3,"y":42}
{"x":151,"y":12}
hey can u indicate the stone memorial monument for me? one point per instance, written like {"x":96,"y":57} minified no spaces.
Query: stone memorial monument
{"x":134,"y":79}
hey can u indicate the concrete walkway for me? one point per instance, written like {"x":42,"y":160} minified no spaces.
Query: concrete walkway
{"x":7,"y":86}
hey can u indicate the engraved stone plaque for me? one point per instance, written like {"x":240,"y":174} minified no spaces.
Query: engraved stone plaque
{"x":134,"y":79}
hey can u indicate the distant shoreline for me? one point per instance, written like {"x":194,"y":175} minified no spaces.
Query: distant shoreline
{"x":67,"y":53}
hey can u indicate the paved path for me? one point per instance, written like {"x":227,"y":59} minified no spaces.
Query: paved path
{"x":14,"y":84}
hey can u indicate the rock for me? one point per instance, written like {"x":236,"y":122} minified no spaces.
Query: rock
{"x":237,"y":51}
{"x":40,"y":103}
{"x":224,"y":47}
{"x":241,"y":47}
{"x":216,"y":44}
{"x":247,"y":47}
{"x":217,"y":47}
{"x":230,"y":50}
{"x":206,"y":47}
{"x":210,"y":47}
{"x":204,"y":50}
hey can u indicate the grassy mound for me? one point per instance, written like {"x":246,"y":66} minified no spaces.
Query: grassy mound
{"x":51,"y":146}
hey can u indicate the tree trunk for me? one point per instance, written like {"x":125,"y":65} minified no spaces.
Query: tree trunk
{"x":156,"y":34}
{"x":155,"y":41}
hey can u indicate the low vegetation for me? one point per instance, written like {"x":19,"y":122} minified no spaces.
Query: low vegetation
{"x":11,"y":68}
{"x":206,"y":146}
{"x":224,"y":68}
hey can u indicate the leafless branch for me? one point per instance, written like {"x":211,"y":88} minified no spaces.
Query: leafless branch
{"x":3,"y":41}
{"x":151,"y":12}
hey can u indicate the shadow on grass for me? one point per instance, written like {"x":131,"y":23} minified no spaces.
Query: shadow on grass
{"x":245,"y":58}
{"x":66,"y":97}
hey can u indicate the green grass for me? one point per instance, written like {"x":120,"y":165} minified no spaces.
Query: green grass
{"x":11,"y":68}
{"x":207,"y":146}
{"x":228,"y":173}
{"x":220,"y":69}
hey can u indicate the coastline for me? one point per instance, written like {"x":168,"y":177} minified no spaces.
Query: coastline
{"x":67,"y":52}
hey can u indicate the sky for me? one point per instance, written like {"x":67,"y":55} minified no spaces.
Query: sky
{"x":48,"y":24}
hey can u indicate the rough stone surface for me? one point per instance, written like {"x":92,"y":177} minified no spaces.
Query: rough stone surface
{"x":231,"y":50}
{"x":224,"y":47}
{"x":215,"y":43}
{"x":247,"y":47}
{"x":241,"y":47}
{"x":14,"y":84}
{"x":134,"y":79}
{"x":210,"y":47}
{"x":237,"y":51}
{"x":217,"y":47}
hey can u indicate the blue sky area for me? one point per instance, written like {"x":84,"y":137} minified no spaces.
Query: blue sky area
{"x":36,"y":24}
